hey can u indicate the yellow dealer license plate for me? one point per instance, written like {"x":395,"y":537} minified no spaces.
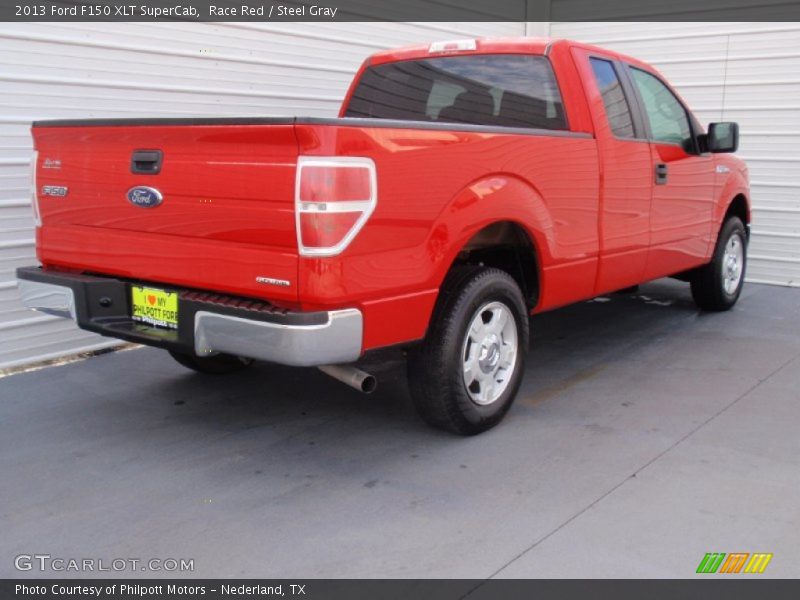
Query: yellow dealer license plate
{"x":154,"y":306}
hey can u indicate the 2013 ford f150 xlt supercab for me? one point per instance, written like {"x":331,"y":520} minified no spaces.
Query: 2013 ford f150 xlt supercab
{"x":464,"y":186}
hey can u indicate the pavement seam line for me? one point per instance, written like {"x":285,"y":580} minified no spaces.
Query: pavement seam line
{"x":602,"y":497}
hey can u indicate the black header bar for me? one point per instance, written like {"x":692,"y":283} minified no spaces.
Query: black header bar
{"x":397,"y":10}
{"x":729,"y":588}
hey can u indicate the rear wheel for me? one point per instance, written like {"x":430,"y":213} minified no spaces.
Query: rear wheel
{"x":218,"y":364}
{"x":465,"y":375}
{"x":717,"y":285}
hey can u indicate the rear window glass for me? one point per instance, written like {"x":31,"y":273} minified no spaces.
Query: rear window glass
{"x":507,"y":90}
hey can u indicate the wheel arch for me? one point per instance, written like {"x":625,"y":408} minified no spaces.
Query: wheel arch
{"x":739,"y":206}
{"x":500,"y":221}
{"x":505,"y":245}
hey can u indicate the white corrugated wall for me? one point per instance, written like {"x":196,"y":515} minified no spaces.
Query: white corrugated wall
{"x":748,"y":72}
{"x":745,"y":72}
{"x":82,"y":70}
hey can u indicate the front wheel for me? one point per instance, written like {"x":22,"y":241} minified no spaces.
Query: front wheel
{"x":717,"y":285}
{"x":465,"y":375}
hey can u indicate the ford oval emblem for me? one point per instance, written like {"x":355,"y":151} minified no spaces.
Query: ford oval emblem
{"x":144,"y":196}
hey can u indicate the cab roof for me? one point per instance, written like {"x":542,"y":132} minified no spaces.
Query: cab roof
{"x":481,"y":46}
{"x":467,"y":46}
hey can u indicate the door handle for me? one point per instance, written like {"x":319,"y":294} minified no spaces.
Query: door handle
{"x":147,"y":162}
{"x":661,"y":174}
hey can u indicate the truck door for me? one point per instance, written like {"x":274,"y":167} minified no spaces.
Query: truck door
{"x":683,"y":190}
{"x":626,"y":176}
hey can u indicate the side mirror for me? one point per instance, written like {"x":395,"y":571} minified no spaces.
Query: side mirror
{"x":723,"y":137}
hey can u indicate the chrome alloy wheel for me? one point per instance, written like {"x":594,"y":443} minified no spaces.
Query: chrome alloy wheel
{"x":489,"y":353}
{"x":733,"y":264}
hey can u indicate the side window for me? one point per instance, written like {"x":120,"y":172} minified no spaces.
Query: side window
{"x":617,"y":109}
{"x":667,"y":117}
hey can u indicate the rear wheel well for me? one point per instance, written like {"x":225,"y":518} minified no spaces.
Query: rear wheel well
{"x":506,"y":246}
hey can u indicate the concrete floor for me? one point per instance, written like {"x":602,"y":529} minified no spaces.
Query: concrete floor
{"x":645,"y":435}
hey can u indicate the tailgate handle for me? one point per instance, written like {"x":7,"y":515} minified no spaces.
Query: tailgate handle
{"x":147,"y":162}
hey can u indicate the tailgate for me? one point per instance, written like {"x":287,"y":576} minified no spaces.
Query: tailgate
{"x":203,"y":204}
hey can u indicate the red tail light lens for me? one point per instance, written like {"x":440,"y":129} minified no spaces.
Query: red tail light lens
{"x":320,"y":230}
{"x":327,"y":184}
{"x":334,"y":197}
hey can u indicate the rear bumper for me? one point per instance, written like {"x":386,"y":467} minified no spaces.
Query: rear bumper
{"x":208,"y":322}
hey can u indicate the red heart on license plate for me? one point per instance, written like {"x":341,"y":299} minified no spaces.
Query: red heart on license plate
{"x":152,"y":300}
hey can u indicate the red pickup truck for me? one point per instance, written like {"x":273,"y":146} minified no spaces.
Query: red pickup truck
{"x":464,"y":186}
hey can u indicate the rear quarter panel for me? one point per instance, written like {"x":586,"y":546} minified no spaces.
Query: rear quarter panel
{"x":436,"y":189}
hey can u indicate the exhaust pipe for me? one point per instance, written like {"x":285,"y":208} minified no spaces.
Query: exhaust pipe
{"x":355,"y":378}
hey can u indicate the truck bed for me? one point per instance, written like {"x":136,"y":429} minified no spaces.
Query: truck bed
{"x":228,"y":216}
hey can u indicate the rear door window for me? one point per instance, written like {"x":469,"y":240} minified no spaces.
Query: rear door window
{"x":506,"y":90}
{"x":618,"y":110}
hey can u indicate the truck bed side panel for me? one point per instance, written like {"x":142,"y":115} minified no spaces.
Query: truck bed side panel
{"x":437,"y":188}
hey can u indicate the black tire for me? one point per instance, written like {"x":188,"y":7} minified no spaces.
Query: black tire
{"x":218,"y":364}
{"x":709,"y":281}
{"x":436,"y":366}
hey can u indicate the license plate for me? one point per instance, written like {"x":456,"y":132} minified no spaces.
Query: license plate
{"x":154,"y":307}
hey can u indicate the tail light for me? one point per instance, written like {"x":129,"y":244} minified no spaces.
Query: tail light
{"x":334,"y":197}
{"x":37,"y":218}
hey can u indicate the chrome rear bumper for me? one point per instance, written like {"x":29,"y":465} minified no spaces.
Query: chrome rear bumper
{"x":205,"y":327}
{"x":338,"y":340}
{"x":48,"y":298}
